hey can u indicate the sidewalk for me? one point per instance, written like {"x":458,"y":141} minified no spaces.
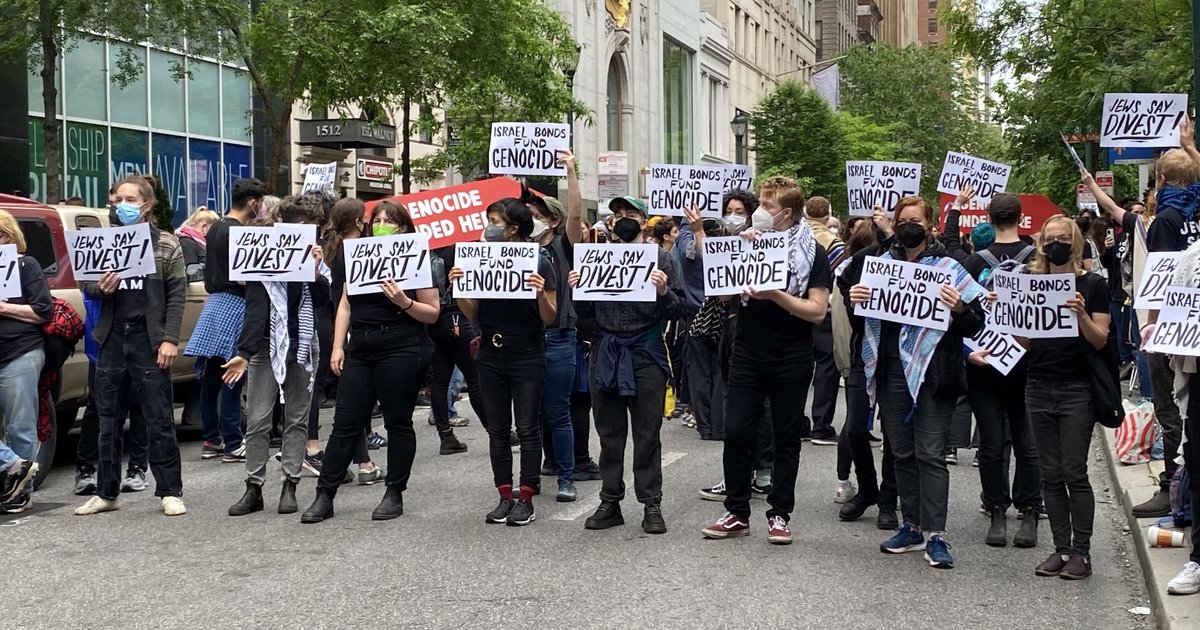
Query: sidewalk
{"x":1134,"y":484}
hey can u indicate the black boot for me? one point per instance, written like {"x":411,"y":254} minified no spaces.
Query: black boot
{"x":1026,"y":537}
{"x":451,"y":445}
{"x":391,"y":506}
{"x":250,"y":502}
{"x":287,"y":498}
{"x":853,"y":509}
{"x":321,"y":508}
{"x":997,"y":535}
{"x":607,"y":515}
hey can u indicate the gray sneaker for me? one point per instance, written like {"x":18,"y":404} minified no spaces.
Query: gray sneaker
{"x":85,"y":481}
{"x":135,"y":480}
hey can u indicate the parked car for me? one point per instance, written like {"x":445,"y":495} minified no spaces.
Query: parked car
{"x":44,"y":228}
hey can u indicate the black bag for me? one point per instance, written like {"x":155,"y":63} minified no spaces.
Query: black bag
{"x":1104,"y":368}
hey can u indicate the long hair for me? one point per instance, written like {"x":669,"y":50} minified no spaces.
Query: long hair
{"x":343,"y":222}
{"x":1041,"y":264}
{"x":397,"y":213}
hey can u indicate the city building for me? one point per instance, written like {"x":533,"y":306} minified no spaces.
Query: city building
{"x":870,"y":20}
{"x":836,"y":28}
{"x":929,"y":28}
{"x":899,"y":24}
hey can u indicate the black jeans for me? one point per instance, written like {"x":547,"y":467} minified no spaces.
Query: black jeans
{"x":452,"y":349}
{"x":1166,"y":413}
{"x":998,"y":402}
{"x":616,"y":417}
{"x":826,"y":380}
{"x":1191,"y":456}
{"x":126,"y":357}
{"x":87,"y":455}
{"x":917,"y":433}
{"x":960,"y":425}
{"x":1060,"y":414}
{"x":510,"y":379}
{"x":854,"y":446}
{"x":784,"y":384}
{"x":388,"y":365}
{"x":706,"y":387}
{"x":581,"y":426}
{"x":324,"y":322}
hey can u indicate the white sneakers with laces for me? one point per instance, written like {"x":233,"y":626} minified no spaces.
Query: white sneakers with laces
{"x":1187,"y":582}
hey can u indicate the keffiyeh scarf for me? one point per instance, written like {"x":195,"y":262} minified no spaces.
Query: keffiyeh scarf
{"x":306,"y":348}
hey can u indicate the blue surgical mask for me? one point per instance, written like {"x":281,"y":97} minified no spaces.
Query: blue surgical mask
{"x":128,"y":213}
{"x":493,"y":233}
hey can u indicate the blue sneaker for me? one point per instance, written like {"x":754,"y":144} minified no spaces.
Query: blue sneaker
{"x":905,"y":539}
{"x":937,"y":553}
{"x":566,"y":491}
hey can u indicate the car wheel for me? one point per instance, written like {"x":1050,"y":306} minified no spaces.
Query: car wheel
{"x":45,"y":456}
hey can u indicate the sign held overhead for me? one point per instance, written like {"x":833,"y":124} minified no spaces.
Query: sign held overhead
{"x":528,"y":149}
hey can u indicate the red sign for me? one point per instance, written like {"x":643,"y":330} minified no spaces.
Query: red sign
{"x":1035,"y":210}
{"x":456,"y":214}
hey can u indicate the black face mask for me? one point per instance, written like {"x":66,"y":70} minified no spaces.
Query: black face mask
{"x":627,"y":229}
{"x":1058,"y":253}
{"x":911,"y":235}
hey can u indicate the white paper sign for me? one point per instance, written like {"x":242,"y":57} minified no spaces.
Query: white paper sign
{"x":732,"y":264}
{"x":1074,"y":155}
{"x":1034,"y":306}
{"x":1142,"y":120}
{"x":10,"y":272}
{"x":319,"y":177}
{"x":739,"y":177}
{"x":372,"y":261}
{"x":906,"y":293}
{"x":1178,"y":327}
{"x":986,"y":177}
{"x":674,"y":187}
{"x":126,"y":251}
{"x":281,"y":253}
{"x":1005,"y":351}
{"x":870,"y":184}
{"x":528,"y":148}
{"x":615,"y":273}
{"x":495,"y":270}
{"x":1156,"y":277}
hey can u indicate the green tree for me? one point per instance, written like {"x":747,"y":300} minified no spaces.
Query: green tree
{"x":795,"y":133}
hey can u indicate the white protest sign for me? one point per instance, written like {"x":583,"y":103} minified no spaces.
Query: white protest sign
{"x":528,"y":148}
{"x":1034,"y":306}
{"x":615,"y":273}
{"x":372,"y":261}
{"x":870,"y":184}
{"x":733,"y":264}
{"x":906,"y":293}
{"x":319,"y":177}
{"x":495,"y":270}
{"x":10,"y":272}
{"x":675,"y":187}
{"x":1005,"y":352}
{"x":1156,"y":277}
{"x":126,"y":251}
{"x":739,"y":177}
{"x":1074,"y":155}
{"x":1142,"y":120}
{"x":281,"y":253}
{"x":986,"y":177}
{"x":1178,"y":327}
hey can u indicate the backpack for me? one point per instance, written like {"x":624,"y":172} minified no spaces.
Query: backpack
{"x":995,"y":264}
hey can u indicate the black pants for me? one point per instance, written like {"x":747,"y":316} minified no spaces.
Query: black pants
{"x":998,"y":402}
{"x":324,"y":322}
{"x":677,"y":348}
{"x":1166,"y":413}
{"x":388,"y":365}
{"x":126,"y":357}
{"x":785,"y":385}
{"x":451,"y":337}
{"x":510,"y":379}
{"x":1060,"y":414}
{"x":826,"y":380}
{"x":87,"y":454}
{"x":960,"y":425}
{"x":707,"y":388}
{"x":617,"y":417}
{"x":1191,"y":457}
{"x":854,"y":445}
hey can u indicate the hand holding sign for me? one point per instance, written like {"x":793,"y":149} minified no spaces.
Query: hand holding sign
{"x":951,"y":298}
{"x":126,"y":251}
{"x":108,"y":282}
{"x":674,"y":187}
{"x":1178,"y":327}
{"x":496,"y":271}
{"x":616,"y":272}
{"x":528,"y":148}
{"x":1142,"y":120}
{"x":280,"y":253}
{"x":402,"y":260}
{"x":1156,"y":277}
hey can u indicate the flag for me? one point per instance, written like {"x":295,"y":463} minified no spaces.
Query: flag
{"x":828,"y":83}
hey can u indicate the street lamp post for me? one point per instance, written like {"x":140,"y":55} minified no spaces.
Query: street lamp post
{"x":569,"y":71}
{"x":739,"y":125}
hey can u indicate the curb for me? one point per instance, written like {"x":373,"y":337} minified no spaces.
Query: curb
{"x":1134,"y":484}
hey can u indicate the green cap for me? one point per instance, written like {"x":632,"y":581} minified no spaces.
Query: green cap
{"x":632,"y":202}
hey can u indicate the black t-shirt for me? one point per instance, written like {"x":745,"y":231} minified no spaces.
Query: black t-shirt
{"x":517,"y":317}
{"x":1065,"y":359}
{"x":1112,"y":258}
{"x":18,"y":337}
{"x":130,"y":301}
{"x":1170,"y":232}
{"x":372,"y":309}
{"x":216,"y":265}
{"x":768,"y":333}
{"x":976,"y":265}
{"x":564,"y":315}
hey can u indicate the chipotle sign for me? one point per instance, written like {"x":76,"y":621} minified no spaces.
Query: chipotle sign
{"x":374,"y":175}
{"x":455,"y":214}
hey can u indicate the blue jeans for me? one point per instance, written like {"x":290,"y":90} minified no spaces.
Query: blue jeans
{"x":1143,"y":360}
{"x":19,"y":407}
{"x":456,"y":384}
{"x":556,"y":399}
{"x":220,"y":407}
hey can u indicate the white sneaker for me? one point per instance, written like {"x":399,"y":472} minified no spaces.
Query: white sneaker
{"x":173,"y":506}
{"x":1187,"y":582}
{"x":95,"y":505}
{"x":844,"y":492}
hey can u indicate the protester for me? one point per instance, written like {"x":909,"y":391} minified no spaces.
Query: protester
{"x":382,"y":352}
{"x":192,"y":236}
{"x":138,"y":333}
{"x":915,"y":375}
{"x":1187,"y":582}
{"x":451,"y":335}
{"x":666,"y":233}
{"x":512,"y":364}
{"x":826,"y":379}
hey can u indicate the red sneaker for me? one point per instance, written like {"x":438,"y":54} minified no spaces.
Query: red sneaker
{"x":778,"y":532}
{"x":728,"y":526}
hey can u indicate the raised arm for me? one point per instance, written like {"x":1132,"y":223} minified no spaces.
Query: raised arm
{"x":1102,"y":199}
{"x":574,"y":227}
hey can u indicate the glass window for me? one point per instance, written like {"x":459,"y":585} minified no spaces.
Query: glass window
{"x":169,"y":162}
{"x":933,"y":25}
{"x":128,"y":102}
{"x":614,"y":106}
{"x":87,"y":160}
{"x":235,"y":104}
{"x":204,"y":173}
{"x":166,"y":93}
{"x":677,"y":103}
{"x":235,"y":166}
{"x":425,"y":113}
{"x":84,"y":71}
{"x":39,"y":243}
{"x":819,"y":36}
{"x":204,"y":100}
{"x":35,"y":89}
{"x":129,"y":153}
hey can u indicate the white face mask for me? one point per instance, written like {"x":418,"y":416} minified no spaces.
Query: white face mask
{"x":734,"y":223}
{"x":763,"y":220}
{"x":539,"y":228}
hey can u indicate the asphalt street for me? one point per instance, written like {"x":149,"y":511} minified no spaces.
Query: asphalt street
{"x":441,"y":566}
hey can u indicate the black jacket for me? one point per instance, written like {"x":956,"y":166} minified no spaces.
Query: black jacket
{"x":256,"y":327}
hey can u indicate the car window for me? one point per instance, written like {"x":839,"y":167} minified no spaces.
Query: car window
{"x":39,"y":244}
{"x":85,"y":221}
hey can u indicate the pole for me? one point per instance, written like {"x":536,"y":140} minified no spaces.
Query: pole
{"x":571,"y":113}
{"x":739,"y":149}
